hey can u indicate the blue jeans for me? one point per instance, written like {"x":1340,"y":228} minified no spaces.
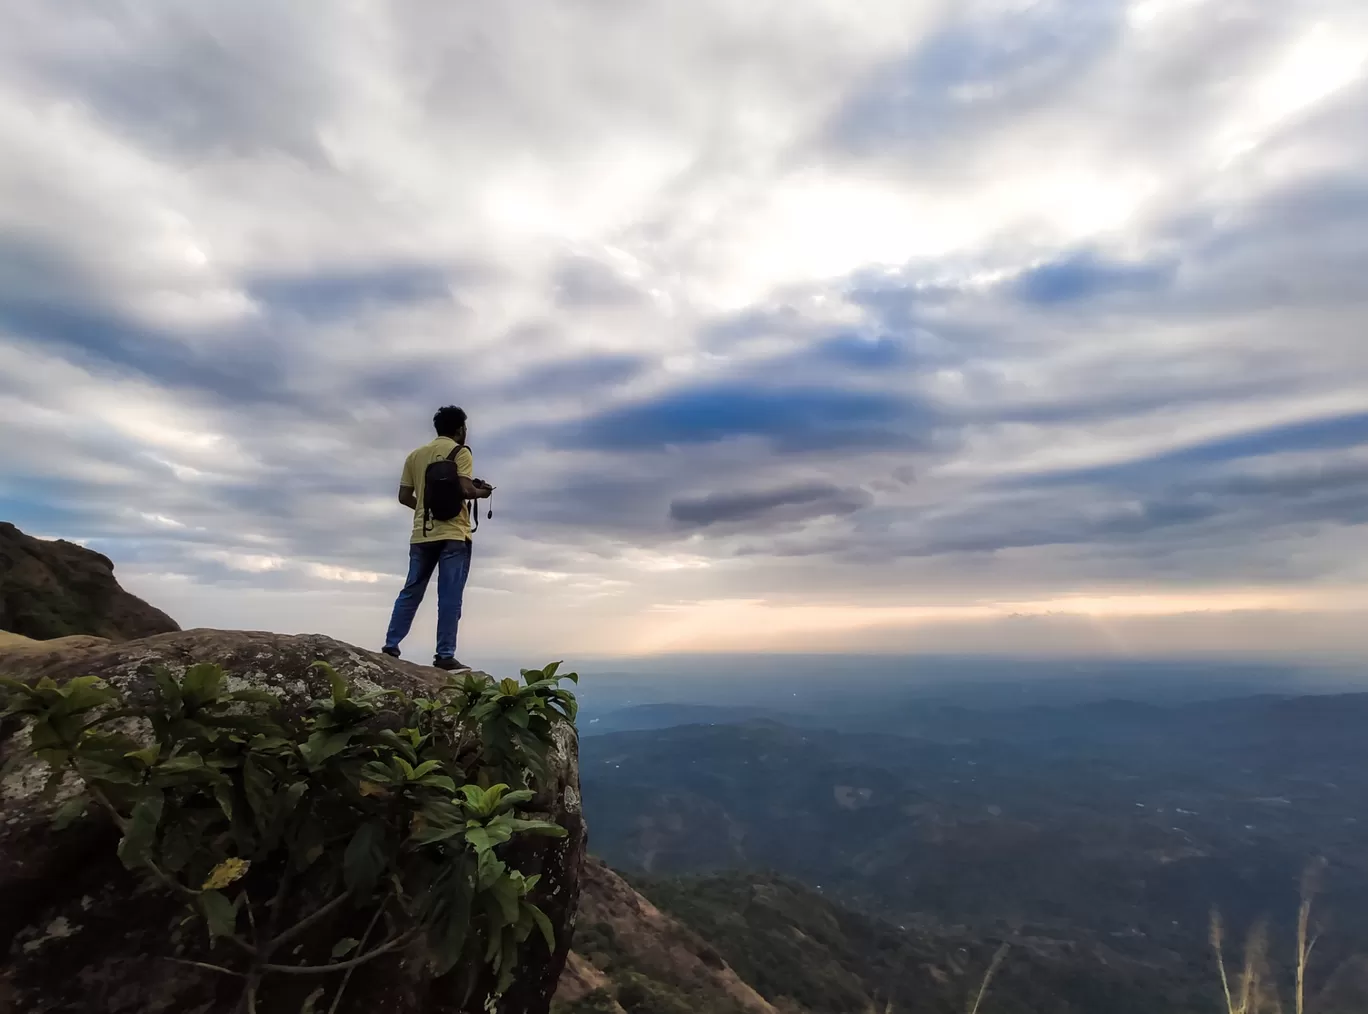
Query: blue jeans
{"x":451,"y":559}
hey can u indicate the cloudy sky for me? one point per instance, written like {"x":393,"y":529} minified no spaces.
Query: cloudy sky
{"x":990,"y":325}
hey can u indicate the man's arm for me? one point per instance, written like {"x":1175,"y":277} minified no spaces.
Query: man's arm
{"x":407,"y":495}
{"x":471,"y":487}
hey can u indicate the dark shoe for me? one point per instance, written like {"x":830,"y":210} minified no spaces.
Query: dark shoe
{"x":391,"y":652}
{"x":449,"y":664}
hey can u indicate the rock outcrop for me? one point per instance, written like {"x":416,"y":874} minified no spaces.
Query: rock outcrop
{"x":55,"y":589}
{"x":79,"y":934}
{"x":645,"y":940}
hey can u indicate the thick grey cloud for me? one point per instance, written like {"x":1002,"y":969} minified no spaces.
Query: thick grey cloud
{"x":760,"y":506}
{"x":933,"y":305}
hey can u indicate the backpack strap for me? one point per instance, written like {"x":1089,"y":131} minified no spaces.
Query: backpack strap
{"x":468,"y":504}
{"x":472,"y":506}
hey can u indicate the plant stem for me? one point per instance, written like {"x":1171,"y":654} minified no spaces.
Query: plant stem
{"x":97,"y":794}
{"x":385,"y":948}
{"x":265,"y":943}
{"x":207,"y":967}
{"x":287,"y":935}
{"x":337,"y":997}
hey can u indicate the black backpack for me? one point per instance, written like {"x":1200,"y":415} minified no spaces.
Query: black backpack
{"x":442,"y":498}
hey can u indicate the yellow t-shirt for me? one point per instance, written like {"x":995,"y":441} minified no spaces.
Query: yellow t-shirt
{"x":415,"y":470}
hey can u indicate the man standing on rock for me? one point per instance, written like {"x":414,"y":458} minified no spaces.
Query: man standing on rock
{"x":438,"y":484}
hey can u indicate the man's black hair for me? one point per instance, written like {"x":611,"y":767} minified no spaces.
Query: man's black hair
{"x":449,"y":420}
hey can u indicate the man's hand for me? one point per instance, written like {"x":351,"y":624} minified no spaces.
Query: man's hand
{"x":474,"y":489}
{"x":408,"y":497}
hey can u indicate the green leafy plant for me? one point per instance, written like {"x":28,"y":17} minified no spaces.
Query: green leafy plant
{"x":377,"y":811}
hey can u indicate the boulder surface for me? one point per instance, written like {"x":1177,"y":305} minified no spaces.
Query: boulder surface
{"x":78,"y":933}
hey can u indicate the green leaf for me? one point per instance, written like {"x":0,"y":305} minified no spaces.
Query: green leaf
{"x":489,"y":870}
{"x":15,"y":686}
{"x":182,"y":764}
{"x":495,"y":944}
{"x":340,"y":690}
{"x":169,"y":689}
{"x":439,"y":811}
{"x":452,"y":924}
{"x":147,"y":755}
{"x":223,"y":794}
{"x":180,"y":844}
{"x":482,"y":839}
{"x":508,"y":966}
{"x":425,"y":768}
{"x":141,"y":831}
{"x":439,"y":782}
{"x":345,"y":946}
{"x":259,"y":787}
{"x":509,"y":800}
{"x":52,"y":784}
{"x":268,"y":743}
{"x":432,"y":835}
{"x":219,"y":913}
{"x":296,"y":792}
{"x":397,"y":742}
{"x":543,"y":828}
{"x":364,"y":860}
{"x":201,"y":682}
{"x":322,"y":745}
{"x":123,"y":772}
{"x":377,"y":772}
{"x":474,"y":795}
{"x":251,"y":696}
{"x":543,"y":923}
{"x":69,"y":811}
{"x":85,"y":693}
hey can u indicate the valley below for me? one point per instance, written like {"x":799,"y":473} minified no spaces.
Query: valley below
{"x":1093,"y":839}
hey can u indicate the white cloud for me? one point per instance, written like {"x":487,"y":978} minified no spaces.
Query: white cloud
{"x":924,"y":253}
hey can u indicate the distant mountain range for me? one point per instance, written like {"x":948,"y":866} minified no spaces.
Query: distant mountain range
{"x":1108,"y":828}
{"x":894,"y":694}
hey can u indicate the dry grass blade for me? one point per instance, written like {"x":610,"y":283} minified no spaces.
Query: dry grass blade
{"x":1217,"y":937}
{"x":1256,"y":958}
{"x":1310,"y":883}
{"x":988,"y":976}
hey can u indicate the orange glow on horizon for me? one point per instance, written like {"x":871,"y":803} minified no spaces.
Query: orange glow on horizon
{"x":759,"y":624}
